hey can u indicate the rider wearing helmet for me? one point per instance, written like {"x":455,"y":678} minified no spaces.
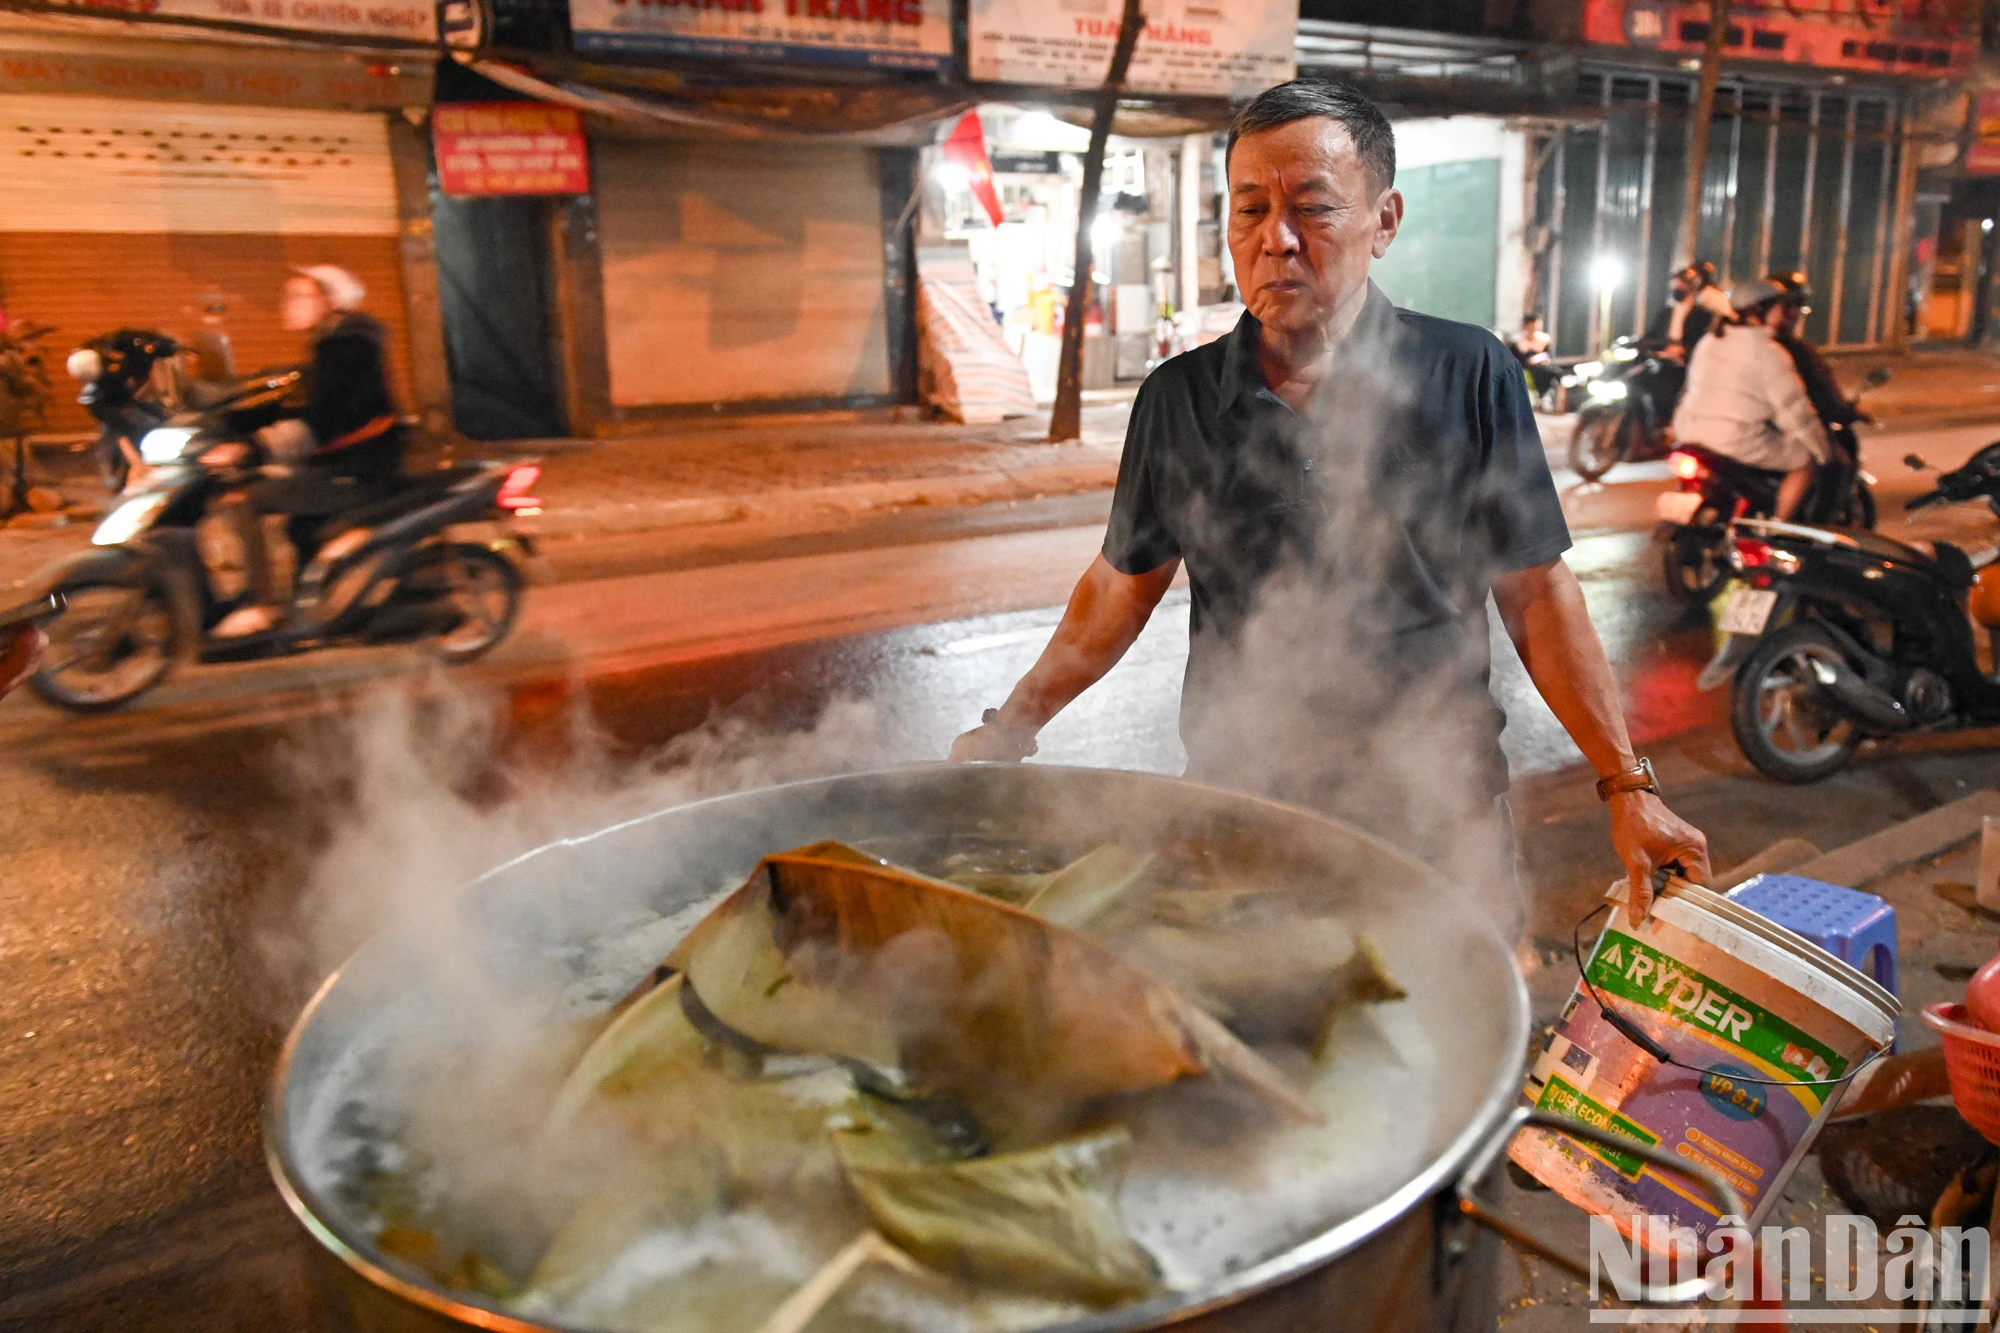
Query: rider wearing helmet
{"x":1694,"y":304}
{"x":1833,"y":406}
{"x":344,"y":449}
{"x":1744,"y":400}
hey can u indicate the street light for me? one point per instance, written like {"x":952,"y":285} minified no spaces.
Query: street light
{"x":1605,"y":275}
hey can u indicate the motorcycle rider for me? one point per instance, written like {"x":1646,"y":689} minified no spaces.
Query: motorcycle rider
{"x":1835,"y":408}
{"x":344,"y":449}
{"x":1694,"y":304}
{"x":1745,"y":400}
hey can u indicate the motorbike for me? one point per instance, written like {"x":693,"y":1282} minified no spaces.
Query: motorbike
{"x":437,"y":557}
{"x":117,"y":370}
{"x":1839,"y":636}
{"x":1713,"y":490}
{"x":1629,"y":399}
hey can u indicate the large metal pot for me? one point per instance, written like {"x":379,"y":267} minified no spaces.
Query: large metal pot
{"x":1406,"y":1259}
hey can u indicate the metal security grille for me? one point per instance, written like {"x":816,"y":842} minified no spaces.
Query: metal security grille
{"x":90,"y":164}
{"x":1796,"y":177}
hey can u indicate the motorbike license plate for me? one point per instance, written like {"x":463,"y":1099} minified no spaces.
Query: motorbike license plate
{"x":1678,"y":506}
{"x":1748,"y":611}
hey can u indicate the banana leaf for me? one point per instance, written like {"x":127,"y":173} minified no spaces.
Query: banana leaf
{"x":941,"y":990}
{"x":1083,"y":889}
{"x":696,"y":1129}
{"x":1043,"y":1220}
{"x":646,"y":1195}
{"x":1071,"y":896}
{"x":1268,"y":971}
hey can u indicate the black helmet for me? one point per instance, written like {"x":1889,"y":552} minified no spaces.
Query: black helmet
{"x":1795,"y":285}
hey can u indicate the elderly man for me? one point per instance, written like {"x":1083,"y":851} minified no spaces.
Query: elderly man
{"x":1345,"y":483}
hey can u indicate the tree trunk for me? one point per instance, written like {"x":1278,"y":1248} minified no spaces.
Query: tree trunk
{"x":1066,"y":421}
{"x":1704,"y":112}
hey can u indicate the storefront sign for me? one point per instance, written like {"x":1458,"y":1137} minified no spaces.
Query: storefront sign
{"x":185,"y":72}
{"x":1202,"y":48}
{"x":1884,"y":36}
{"x":407,"y":20}
{"x":888,"y":34}
{"x":1007,"y":163}
{"x":489,"y":148}
{"x":1983,"y":157}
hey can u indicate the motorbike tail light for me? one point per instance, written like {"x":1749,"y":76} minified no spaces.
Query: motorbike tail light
{"x":514,"y":491}
{"x":1751,"y":553}
{"x":1686,"y":466}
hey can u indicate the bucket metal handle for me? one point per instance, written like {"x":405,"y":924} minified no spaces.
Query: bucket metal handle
{"x":1528,"y":1117}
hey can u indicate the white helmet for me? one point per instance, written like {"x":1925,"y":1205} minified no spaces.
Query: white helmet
{"x":343,"y":291}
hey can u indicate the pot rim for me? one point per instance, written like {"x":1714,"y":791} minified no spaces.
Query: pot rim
{"x":1438,"y":1176}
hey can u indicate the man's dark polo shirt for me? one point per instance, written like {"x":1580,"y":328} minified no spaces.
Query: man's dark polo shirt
{"x":1368,"y":532}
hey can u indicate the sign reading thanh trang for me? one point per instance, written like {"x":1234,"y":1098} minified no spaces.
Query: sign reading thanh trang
{"x":489,"y":148}
{"x":885,"y":34}
{"x":1200,"y":48}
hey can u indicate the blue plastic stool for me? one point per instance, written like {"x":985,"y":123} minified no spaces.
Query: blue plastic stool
{"x":1857,"y":928}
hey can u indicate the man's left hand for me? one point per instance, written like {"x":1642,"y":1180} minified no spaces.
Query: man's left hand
{"x":1647,"y":836}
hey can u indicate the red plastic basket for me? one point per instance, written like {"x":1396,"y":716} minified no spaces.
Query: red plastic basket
{"x":1972,"y":1063}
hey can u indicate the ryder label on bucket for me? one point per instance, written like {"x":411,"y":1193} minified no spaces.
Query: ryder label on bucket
{"x":1758,"y":1013}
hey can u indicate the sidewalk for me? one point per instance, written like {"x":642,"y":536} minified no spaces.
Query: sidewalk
{"x":801,"y":467}
{"x":1927,"y":387}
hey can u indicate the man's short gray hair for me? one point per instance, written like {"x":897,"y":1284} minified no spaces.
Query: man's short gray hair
{"x":1302,"y":99}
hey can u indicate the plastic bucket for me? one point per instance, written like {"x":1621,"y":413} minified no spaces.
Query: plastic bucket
{"x":1732,"y":994}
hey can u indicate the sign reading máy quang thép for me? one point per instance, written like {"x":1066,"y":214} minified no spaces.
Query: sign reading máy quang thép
{"x":489,"y":148}
{"x":407,"y":20}
{"x":889,"y":34}
{"x":1200,"y":48}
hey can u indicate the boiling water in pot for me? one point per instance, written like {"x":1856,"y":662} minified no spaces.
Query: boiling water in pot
{"x":414,"y":1133}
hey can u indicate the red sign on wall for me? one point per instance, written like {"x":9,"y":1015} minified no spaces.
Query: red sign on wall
{"x":1924,"y":37}
{"x":1982,"y":158}
{"x":489,"y":148}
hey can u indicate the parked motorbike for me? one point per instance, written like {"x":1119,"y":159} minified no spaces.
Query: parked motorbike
{"x":1714,"y":490}
{"x":428,"y":557}
{"x":1628,"y":405}
{"x":1837,"y":637}
{"x":121,"y":390}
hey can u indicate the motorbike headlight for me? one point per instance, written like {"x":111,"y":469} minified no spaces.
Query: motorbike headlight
{"x":1607,"y":391}
{"x":130,"y":519}
{"x":165,"y":445}
{"x":1589,"y":369}
{"x":1624,"y":354}
{"x":85,"y":364}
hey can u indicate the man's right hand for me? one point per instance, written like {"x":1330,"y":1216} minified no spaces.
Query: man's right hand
{"x":992,"y":742}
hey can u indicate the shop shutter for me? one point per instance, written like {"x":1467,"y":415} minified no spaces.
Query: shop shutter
{"x":132,"y":213}
{"x":741,"y":272}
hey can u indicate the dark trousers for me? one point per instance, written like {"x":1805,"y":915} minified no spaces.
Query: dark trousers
{"x":307,"y":496}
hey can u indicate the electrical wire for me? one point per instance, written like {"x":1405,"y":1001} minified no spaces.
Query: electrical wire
{"x":1644,"y":1040}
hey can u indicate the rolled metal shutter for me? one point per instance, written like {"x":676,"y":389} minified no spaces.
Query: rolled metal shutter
{"x":125,"y":212}
{"x":741,"y":272}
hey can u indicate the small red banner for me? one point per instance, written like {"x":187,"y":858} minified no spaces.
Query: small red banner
{"x":1922,"y":37}
{"x":1983,"y":157}
{"x":489,"y":148}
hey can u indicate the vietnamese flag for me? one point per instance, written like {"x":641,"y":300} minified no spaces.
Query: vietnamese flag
{"x":966,"y":147}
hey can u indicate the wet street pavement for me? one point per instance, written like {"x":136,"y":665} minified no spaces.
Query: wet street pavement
{"x":176,"y":877}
